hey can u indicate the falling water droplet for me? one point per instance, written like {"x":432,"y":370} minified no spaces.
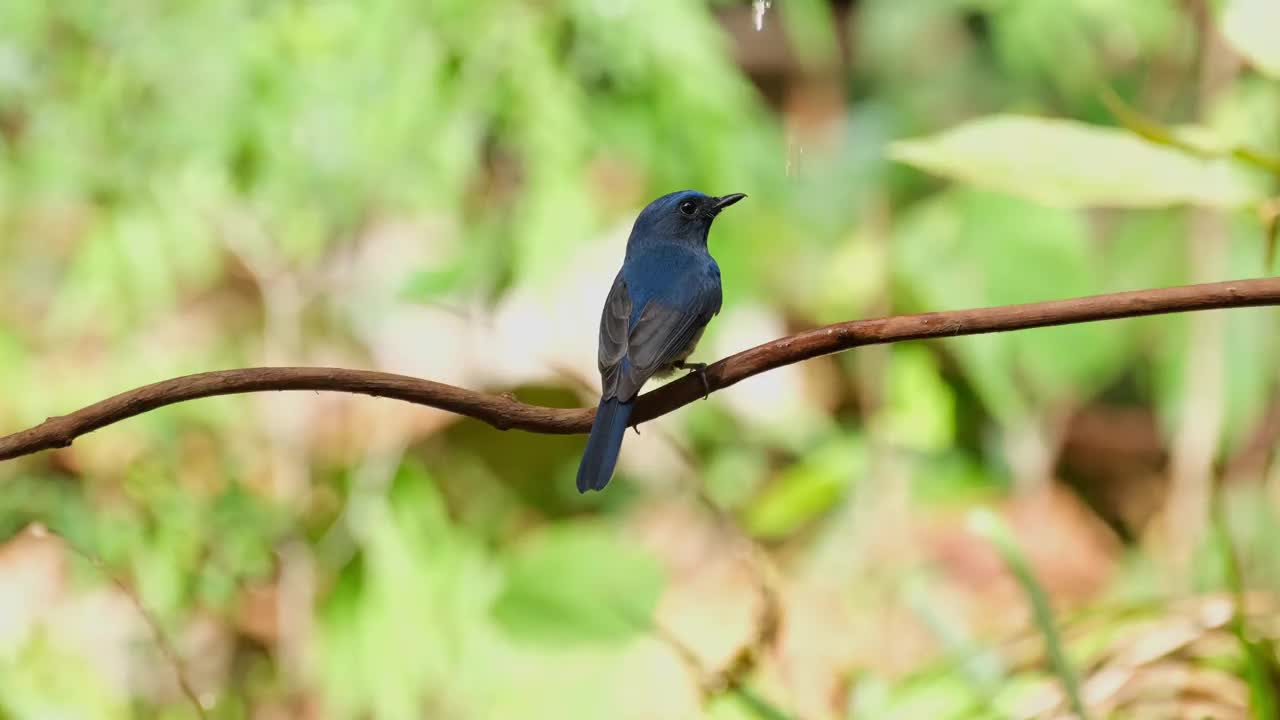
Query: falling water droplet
{"x":758,"y":8}
{"x":791,"y":153}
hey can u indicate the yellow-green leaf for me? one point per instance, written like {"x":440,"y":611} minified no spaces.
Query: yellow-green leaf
{"x":1071,"y":164}
{"x":1253,"y":29}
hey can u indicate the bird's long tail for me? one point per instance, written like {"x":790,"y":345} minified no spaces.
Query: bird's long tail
{"x":603,"y":444}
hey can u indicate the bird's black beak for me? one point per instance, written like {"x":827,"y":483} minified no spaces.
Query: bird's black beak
{"x":725,"y":201}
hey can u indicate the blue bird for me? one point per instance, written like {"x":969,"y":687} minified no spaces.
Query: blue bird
{"x":665,"y":294}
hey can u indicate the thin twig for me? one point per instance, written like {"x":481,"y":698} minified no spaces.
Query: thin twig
{"x":166,"y":648}
{"x":729,"y":681}
{"x":1269,"y":212}
{"x":158,"y":635}
{"x":505,"y":412}
{"x":1152,"y":131}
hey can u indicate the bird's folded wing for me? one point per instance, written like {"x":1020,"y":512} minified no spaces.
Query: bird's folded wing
{"x":615,"y":326}
{"x":635,"y":345}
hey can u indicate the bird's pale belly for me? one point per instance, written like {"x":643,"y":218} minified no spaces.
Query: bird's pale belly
{"x":680,"y":357}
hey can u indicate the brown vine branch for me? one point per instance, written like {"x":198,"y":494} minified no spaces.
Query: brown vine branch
{"x":505,"y":412}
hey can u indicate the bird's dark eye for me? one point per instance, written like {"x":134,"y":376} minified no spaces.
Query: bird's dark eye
{"x":689,"y":207}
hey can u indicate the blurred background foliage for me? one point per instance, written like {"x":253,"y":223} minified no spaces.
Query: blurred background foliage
{"x":1005,"y":526}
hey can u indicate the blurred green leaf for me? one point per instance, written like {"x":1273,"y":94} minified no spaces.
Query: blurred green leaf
{"x":578,"y":583}
{"x":941,"y":695}
{"x":808,"y":488}
{"x":759,"y":705}
{"x":426,"y":285}
{"x":733,"y":475}
{"x":919,"y":410}
{"x":1252,"y":26}
{"x":1071,"y":164}
{"x":955,"y":478}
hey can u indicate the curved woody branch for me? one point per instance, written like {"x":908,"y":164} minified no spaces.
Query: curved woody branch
{"x":505,"y":412}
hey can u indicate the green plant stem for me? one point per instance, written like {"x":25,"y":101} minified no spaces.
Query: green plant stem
{"x":1150,"y":130}
{"x":1259,"y":657}
{"x":989,"y":526}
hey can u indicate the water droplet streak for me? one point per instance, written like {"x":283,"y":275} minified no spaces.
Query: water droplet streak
{"x":758,"y":9}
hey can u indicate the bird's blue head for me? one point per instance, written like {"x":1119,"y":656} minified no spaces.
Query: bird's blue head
{"x":682,"y":217}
